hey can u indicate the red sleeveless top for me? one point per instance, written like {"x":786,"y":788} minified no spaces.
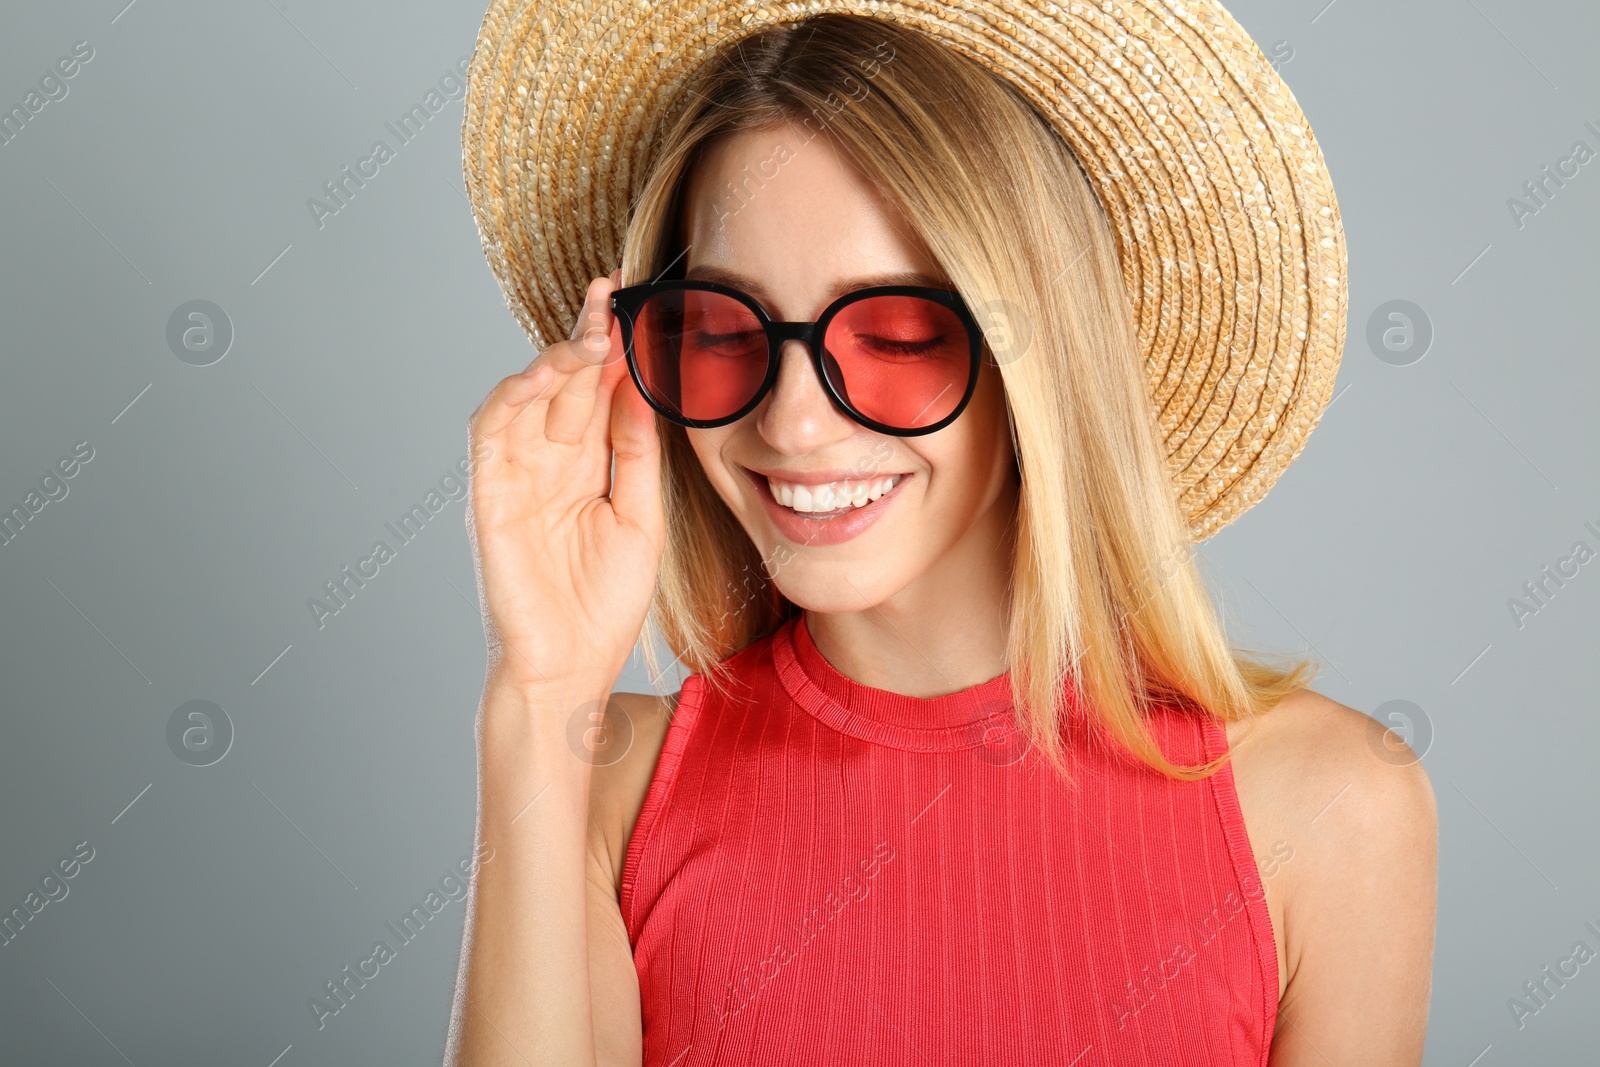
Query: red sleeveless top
{"x":828,"y":873}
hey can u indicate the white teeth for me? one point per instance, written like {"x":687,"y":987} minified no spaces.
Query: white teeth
{"x":831,"y":496}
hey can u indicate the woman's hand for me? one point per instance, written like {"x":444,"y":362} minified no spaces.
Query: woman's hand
{"x":566,"y":555}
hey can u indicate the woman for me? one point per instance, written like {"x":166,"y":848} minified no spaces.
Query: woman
{"x":842,"y":841}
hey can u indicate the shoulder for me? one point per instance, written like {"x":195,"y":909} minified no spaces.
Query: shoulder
{"x":624,"y":764}
{"x":1319,"y":763}
{"x":1353,"y":808}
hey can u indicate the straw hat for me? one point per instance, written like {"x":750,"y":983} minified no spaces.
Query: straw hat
{"x":1227,"y":229}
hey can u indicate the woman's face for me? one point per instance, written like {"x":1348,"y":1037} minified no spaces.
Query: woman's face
{"x":795,"y":241}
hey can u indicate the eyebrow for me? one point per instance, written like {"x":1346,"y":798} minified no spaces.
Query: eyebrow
{"x":707,"y":273}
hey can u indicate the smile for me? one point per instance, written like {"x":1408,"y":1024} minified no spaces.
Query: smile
{"x":826,"y":513}
{"x":830,"y":497}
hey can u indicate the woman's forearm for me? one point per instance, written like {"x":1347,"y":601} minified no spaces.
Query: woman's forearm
{"x":523,"y":991}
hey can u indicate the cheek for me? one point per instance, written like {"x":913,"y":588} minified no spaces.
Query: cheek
{"x":989,"y":399}
{"x":991,"y":424}
{"x":710,"y":448}
{"x":972,"y":459}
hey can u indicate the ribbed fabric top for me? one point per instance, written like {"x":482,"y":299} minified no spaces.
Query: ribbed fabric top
{"x":827,"y":873}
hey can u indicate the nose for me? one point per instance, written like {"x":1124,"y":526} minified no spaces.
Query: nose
{"x":799,"y":416}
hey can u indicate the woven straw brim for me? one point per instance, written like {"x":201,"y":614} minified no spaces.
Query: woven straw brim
{"x":1226,"y":224}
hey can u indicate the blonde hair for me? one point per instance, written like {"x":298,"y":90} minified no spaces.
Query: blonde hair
{"x":1105,"y":594}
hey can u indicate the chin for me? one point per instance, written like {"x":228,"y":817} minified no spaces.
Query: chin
{"x":836,"y":587}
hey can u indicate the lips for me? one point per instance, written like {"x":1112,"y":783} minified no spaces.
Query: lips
{"x":825,"y":529}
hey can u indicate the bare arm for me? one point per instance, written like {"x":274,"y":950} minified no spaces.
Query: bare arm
{"x":566,"y":555}
{"x":616,"y":798}
{"x":523,"y":994}
{"x":1360,"y":892}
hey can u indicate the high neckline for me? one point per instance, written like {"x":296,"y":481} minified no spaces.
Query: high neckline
{"x":979,"y":715}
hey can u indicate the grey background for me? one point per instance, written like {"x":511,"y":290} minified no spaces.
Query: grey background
{"x":178,"y":567}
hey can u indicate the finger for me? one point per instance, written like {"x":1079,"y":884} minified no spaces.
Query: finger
{"x":636,"y":480}
{"x":612,"y":373}
{"x":573,"y":406}
{"x":570,"y":356}
{"x":508,"y":400}
{"x":548,"y":374}
{"x":522,"y":401}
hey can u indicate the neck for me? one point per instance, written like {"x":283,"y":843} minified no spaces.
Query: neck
{"x":946,"y":631}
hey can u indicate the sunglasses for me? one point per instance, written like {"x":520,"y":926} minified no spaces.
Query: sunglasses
{"x":898,"y":359}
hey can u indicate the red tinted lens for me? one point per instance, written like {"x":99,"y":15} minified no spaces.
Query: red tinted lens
{"x":701,"y":354}
{"x":903,"y":361}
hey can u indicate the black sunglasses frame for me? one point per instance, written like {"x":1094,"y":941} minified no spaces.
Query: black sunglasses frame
{"x":627,"y":301}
